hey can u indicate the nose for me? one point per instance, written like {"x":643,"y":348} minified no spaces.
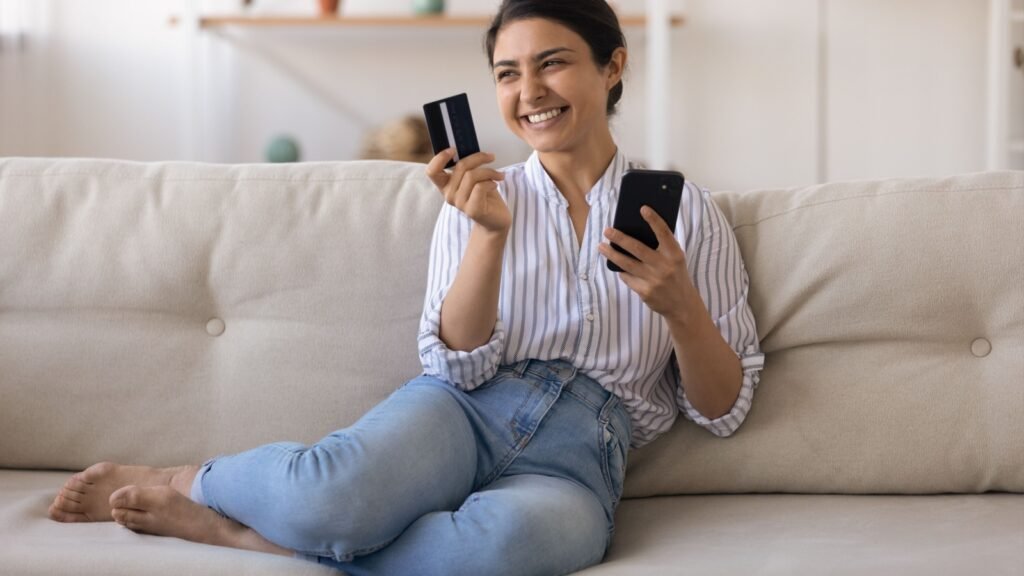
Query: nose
{"x":532,"y":88}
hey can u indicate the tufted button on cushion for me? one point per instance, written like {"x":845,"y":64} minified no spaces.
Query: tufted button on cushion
{"x":981,"y":347}
{"x":215,"y":327}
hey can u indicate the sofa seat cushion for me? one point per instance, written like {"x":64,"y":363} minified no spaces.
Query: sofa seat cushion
{"x":787,"y":534}
{"x":707,"y":535}
{"x":31,"y":543}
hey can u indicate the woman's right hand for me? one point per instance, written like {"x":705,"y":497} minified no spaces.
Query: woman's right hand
{"x":472,"y":188}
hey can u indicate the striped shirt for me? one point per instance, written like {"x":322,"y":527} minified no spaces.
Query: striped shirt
{"x":558,"y":300}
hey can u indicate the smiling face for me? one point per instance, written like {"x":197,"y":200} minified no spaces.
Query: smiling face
{"x":550,"y":91}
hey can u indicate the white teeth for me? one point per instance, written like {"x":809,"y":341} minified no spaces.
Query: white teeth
{"x":534,"y":118}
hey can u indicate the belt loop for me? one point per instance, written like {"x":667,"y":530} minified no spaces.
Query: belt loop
{"x":565,"y":370}
{"x":520,"y":367}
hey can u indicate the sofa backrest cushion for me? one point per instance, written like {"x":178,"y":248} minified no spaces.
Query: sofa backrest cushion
{"x":164,"y":313}
{"x":892,"y":318}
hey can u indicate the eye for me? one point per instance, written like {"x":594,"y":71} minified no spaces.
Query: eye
{"x":549,"y":63}
{"x":504,"y":74}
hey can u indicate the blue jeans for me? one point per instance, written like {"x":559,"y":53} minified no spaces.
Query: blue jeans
{"x":520,"y":476}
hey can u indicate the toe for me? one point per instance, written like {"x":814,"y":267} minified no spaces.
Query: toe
{"x":68,"y":503}
{"x":136,"y":520}
{"x":76,"y":484}
{"x":126,"y":497}
{"x":96,"y":472}
{"x":142,"y":497}
{"x":62,"y":516}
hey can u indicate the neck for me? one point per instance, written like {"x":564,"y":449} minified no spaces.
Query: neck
{"x":576,"y":171}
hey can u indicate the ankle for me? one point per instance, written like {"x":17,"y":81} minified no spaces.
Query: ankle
{"x":182,"y":479}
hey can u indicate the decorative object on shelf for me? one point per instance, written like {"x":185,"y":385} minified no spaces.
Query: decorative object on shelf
{"x":283,"y":149}
{"x":405,"y":139}
{"x":425,"y":7}
{"x":291,"y":8}
{"x":329,"y":7}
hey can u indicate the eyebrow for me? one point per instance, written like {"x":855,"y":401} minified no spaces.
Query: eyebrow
{"x":540,"y":56}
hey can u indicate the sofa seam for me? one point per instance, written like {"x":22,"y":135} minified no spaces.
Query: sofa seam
{"x":144,"y":178}
{"x":861,"y":196}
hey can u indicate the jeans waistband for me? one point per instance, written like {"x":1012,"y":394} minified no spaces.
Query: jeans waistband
{"x":571,"y":379}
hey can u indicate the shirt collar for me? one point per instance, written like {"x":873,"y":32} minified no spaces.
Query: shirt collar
{"x":607,"y":184}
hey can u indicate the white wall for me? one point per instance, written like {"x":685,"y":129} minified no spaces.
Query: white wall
{"x":89,"y":85}
{"x":746,"y":75}
{"x":904,"y":81}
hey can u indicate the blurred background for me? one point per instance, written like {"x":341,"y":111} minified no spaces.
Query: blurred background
{"x":759,"y":93}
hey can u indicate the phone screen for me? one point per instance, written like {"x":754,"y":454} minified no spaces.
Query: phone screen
{"x":662,"y":190}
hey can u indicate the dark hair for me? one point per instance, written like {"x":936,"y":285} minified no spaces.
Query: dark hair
{"x":593,"y":20}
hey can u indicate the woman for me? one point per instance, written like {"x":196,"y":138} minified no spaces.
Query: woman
{"x":541,"y":367}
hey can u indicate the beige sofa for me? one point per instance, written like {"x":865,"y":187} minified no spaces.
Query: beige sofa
{"x":164,"y":313}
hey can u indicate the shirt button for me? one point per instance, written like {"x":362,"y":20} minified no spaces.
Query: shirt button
{"x":590,"y":317}
{"x":583,"y":275}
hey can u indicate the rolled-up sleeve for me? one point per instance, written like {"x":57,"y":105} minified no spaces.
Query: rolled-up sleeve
{"x":717,"y":269}
{"x":464,"y":370}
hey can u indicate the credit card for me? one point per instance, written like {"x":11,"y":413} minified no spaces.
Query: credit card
{"x":450,"y":123}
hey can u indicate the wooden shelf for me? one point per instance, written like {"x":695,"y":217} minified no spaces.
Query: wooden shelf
{"x":212,"y":22}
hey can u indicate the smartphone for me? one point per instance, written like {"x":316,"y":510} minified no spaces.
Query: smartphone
{"x":450,"y":123}
{"x":662,"y":190}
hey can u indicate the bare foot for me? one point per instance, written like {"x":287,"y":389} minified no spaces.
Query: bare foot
{"x":163,"y":511}
{"x":85,"y":497}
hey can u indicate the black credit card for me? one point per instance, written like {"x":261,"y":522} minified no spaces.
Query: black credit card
{"x":451,"y":124}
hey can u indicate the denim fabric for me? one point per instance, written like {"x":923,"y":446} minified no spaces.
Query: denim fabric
{"x":520,"y":476}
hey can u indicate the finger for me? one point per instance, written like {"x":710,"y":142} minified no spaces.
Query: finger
{"x":481,"y":174}
{"x":478,"y":178}
{"x":638,"y":249}
{"x":462,"y":168}
{"x":661,"y":230}
{"x":479,"y":195}
{"x":469,"y":163}
{"x":629,"y":265}
{"x":435,"y":168}
{"x":460,"y":196}
{"x":634,"y":283}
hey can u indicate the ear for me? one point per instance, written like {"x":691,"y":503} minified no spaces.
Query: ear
{"x":616,"y":67}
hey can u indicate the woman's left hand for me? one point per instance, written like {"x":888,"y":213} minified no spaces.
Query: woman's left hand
{"x":659,"y":276}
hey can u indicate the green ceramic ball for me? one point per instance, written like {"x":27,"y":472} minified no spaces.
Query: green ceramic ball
{"x":428,"y":6}
{"x":283,"y":149}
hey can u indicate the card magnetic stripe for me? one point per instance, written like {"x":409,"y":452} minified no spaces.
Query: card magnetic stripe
{"x":448,"y":130}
